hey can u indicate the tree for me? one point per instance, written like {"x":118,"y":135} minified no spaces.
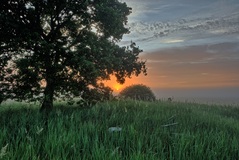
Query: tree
{"x":138,"y":92}
{"x":51,"y":48}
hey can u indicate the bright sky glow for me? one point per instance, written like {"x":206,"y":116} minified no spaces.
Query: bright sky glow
{"x":187,"y":43}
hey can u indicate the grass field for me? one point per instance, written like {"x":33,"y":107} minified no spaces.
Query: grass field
{"x":150,"y":131}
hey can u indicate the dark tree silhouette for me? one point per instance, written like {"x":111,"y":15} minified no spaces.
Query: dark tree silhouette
{"x":138,"y":92}
{"x":51,"y":48}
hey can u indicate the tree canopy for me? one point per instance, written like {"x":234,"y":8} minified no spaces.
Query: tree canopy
{"x":138,"y":92}
{"x":52,"y":48}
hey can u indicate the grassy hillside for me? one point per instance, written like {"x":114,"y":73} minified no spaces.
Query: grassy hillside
{"x":159,"y":130}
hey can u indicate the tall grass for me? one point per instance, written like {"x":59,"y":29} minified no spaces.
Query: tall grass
{"x":158,"y":130}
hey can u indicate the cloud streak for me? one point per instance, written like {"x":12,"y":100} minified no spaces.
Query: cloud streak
{"x":211,"y":26}
{"x":195,"y":22}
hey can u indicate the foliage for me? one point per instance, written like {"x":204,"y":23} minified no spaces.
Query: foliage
{"x":94,"y":95}
{"x":63,"y":47}
{"x":138,"y":92}
{"x":202,"y":132}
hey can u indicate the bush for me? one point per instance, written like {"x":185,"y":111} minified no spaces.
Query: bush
{"x":138,"y":92}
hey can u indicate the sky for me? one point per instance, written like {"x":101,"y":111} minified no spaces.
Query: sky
{"x":191,"y":46}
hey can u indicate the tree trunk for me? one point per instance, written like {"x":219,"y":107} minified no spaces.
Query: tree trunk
{"x":47,"y":104}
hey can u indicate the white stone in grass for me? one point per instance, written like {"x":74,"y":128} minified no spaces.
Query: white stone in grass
{"x":115,"y":129}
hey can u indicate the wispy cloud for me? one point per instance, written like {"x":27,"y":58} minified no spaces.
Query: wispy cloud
{"x":172,"y":41}
{"x":219,"y":26}
{"x":195,"y":22}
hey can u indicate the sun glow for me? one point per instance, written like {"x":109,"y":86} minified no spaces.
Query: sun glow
{"x":114,"y":85}
{"x":118,"y":87}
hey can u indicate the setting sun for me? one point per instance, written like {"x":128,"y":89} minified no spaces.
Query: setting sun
{"x":117,"y":87}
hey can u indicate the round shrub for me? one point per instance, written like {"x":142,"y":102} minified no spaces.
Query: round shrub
{"x":138,"y":92}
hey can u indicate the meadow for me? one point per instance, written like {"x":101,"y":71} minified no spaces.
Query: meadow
{"x":149,"y":131}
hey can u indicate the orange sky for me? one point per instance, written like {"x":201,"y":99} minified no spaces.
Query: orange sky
{"x":187,"y":68}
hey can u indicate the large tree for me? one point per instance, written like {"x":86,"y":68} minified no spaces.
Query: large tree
{"x":51,"y":48}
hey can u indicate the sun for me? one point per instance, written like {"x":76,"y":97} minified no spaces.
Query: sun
{"x":117,"y":87}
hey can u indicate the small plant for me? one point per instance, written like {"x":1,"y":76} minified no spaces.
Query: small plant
{"x":138,"y":92}
{"x":170,"y":99}
{"x":3,"y":151}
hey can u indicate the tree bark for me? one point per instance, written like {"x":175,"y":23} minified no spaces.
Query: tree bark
{"x":47,"y":104}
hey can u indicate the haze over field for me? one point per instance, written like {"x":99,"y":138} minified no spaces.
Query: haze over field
{"x":191,"y":46}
